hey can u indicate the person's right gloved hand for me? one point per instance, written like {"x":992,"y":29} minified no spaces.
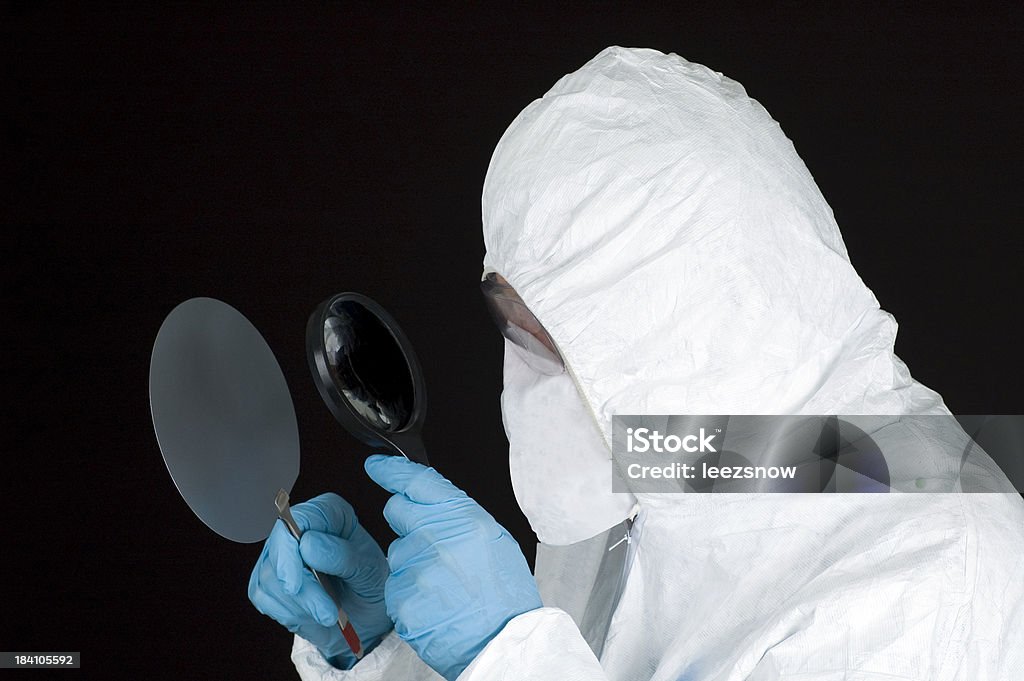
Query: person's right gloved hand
{"x":341,"y":550}
{"x":457,"y":576}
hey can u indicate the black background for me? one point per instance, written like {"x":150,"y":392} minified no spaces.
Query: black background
{"x":271,"y":157}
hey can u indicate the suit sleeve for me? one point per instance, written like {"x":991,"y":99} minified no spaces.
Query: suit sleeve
{"x":391,"y":659}
{"x":540,"y":644}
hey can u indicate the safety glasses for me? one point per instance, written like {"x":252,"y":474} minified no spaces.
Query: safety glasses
{"x":516,"y":323}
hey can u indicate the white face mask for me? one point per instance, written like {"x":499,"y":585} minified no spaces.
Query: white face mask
{"x":561,"y":467}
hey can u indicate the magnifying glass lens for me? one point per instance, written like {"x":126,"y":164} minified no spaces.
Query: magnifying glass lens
{"x":367,"y":366}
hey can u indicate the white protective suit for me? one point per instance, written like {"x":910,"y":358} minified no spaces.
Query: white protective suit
{"x":663,"y":229}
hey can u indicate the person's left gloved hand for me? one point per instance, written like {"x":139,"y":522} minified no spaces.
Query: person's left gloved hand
{"x":457,"y":577}
{"x":343,"y":552}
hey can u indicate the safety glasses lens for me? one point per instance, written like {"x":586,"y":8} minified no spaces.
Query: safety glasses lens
{"x":516,"y":323}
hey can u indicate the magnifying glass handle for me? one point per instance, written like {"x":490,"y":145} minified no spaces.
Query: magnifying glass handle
{"x":284,"y":512}
{"x":410,"y":444}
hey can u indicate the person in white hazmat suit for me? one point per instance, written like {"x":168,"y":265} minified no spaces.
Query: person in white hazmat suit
{"x":679,"y":259}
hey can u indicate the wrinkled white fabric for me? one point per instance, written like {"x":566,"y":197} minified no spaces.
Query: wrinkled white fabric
{"x":661,"y":226}
{"x":391,"y":659}
{"x":665,"y":232}
{"x":529,"y":638}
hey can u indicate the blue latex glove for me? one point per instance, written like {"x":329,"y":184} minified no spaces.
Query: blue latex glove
{"x":457,"y":577}
{"x":341,"y":550}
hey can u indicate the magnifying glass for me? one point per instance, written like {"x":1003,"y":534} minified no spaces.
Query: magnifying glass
{"x":367,"y":373}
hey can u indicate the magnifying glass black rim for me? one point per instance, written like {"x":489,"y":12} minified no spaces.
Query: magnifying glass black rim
{"x":316,"y":353}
